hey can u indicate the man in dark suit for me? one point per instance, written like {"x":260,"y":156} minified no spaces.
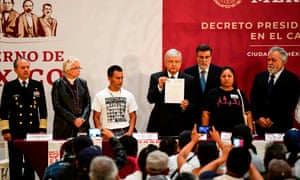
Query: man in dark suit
{"x":274,"y":95}
{"x":169,"y":119}
{"x":210,"y":73}
{"x":23,"y":110}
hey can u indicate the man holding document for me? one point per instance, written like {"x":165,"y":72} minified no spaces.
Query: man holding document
{"x":172,"y":93}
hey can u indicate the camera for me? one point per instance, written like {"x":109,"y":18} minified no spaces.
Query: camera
{"x":95,"y":132}
{"x":238,"y":142}
{"x":204,"y":129}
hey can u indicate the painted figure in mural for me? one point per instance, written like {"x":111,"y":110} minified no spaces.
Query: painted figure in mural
{"x":27,"y":21}
{"x":8,"y":20}
{"x":46,"y":24}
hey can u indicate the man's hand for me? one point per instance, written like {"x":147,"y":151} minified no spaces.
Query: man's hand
{"x":184,"y":104}
{"x":78,"y":122}
{"x":264,"y":122}
{"x":7,"y":137}
{"x":161,"y":81}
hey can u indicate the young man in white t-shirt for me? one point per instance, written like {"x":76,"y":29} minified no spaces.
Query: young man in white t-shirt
{"x":114,"y":107}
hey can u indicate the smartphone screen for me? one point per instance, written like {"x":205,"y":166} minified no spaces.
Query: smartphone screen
{"x":203,"y":129}
{"x":238,"y":142}
{"x":95,"y":132}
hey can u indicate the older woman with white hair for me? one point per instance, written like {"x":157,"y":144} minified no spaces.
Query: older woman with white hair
{"x":71,"y":101}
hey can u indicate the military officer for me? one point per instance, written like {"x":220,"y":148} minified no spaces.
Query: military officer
{"x":23,"y":110}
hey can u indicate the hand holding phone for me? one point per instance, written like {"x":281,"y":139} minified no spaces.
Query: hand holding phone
{"x":204,"y":129}
{"x":95,"y":132}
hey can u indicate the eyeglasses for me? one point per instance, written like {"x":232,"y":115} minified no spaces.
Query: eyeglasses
{"x":76,"y":68}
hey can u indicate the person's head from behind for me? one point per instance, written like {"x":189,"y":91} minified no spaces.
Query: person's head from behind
{"x":203,"y":56}
{"x":274,"y":150}
{"x":130,"y":145}
{"x":207,"y":152}
{"x":22,"y":68}
{"x":115,"y":77}
{"x":277,"y":59}
{"x":242,"y":132}
{"x":292,"y":142}
{"x":168,"y":145}
{"x":238,"y":162}
{"x":81,"y":142}
{"x":185,"y":176}
{"x":173,"y":61}
{"x":85,"y":157}
{"x":184,"y":138}
{"x":103,"y":168}
{"x":157,"y":163}
{"x":71,"y":67}
{"x":66,"y":151}
{"x":227,"y":78}
{"x":143,"y":156}
{"x":279,"y":169}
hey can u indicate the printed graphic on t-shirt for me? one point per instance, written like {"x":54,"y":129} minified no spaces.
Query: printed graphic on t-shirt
{"x":116,"y":107}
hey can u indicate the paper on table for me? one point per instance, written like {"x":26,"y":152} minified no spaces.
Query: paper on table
{"x":174,"y":91}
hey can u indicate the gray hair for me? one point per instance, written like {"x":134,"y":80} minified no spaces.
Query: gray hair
{"x":173,"y":52}
{"x":103,"y":168}
{"x":281,"y":51}
{"x":68,"y":62}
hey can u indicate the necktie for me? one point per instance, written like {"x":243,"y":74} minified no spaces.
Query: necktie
{"x":271,"y":84}
{"x":202,"y":80}
{"x":172,"y":77}
{"x":24,"y":84}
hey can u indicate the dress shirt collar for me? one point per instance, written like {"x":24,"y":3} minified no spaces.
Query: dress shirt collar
{"x":21,"y":81}
{"x":276,"y":75}
{"x":175,"y":75}
{"x":206,"y":69}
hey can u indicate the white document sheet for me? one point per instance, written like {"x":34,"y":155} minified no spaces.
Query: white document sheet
{"x":174,"y":91}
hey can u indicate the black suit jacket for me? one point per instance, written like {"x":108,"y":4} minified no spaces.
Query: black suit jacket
{"x":170,"y":119}
{"x":22,"y":109}
{"x":213,"y":81}
{"x":280,"y":105}
{"x":64,"y":107}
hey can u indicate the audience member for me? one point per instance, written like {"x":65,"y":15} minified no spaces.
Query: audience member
{"x":23,"y":110}
{"x":103,"y":168}
{"x":243,"y":132}
{"x":273,"y":150}
{"x":52,"y":171}
{"x":114,"y":107}
{"x":169,"y":119}
{"x":207,"y":152}
{"x":274,"y":95}
{"x":279,"y":169}
{"x":186,"y":176}
{"x":27,"y":21}
{"x":77,"y":170}
{"x":9,"y":18}
{"x":71,"y":102}
{"x":168,"y":144}
{"x":130,"y":145}
{"x":192,"y":159}
{"x":142,"y":173}
{"x":84,"y":160}
{"x":297,"y":112}
{"x":292,"y":142}
{"x":157,"y":165}
{"x":224,"y":107}
{"x":206,"y":76}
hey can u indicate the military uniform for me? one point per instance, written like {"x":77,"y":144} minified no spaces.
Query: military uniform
{"x":23,"y":110}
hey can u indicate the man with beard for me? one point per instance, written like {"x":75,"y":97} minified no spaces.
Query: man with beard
{"x":8,"y":20}
{"x":274,"y":95}
{"x":47,"y":24}
{"x":27,"y":21}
